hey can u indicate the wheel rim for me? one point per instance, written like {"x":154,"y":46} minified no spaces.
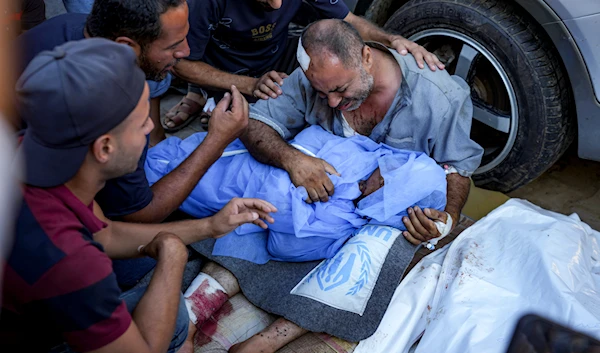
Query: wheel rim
{"x":495,"y":115}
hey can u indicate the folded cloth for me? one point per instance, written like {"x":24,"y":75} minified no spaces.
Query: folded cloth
{"x":302,"y":231}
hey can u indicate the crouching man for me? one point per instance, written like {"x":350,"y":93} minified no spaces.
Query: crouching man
{"x":87,"y":110}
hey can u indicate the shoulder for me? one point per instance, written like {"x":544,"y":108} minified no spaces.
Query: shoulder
{"x":51,"y":246}
{"x":439,"y":85}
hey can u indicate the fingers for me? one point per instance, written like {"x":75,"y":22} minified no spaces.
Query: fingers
{"x":313,"y":196}
{"x":432,"y":61}
{"x":243,"y":218}
{"x":284,"y":76}
{"x":416,"y":223}
{"x":411,"y":239}
{"x":276,"y":77}
{"x":323,"y":194}
{"x":237,"y":103}
{"x":330,"y":169}
{"x":266,"y":88}
{"x":419,"y":58}
{"x":258,"y":94}
{"x":430,"y":228}
{"x":259,"y":222}
{"x":223,"y":103}
{"x":436,"y":215}
{"x":329,"y":187}
{"x":257,"y":204}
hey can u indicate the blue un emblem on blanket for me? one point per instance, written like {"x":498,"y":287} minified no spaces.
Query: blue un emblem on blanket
{"x":346,"y":281}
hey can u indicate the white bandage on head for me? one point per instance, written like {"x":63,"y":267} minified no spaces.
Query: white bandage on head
{"x":302,"y":56}
{"x":443,"y":228}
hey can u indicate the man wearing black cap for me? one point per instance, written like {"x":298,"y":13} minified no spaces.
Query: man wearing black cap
{"x":156,"y":30}
{"x":86,"y":106}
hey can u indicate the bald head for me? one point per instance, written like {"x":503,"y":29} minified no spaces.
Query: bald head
{"x":334,"y":37}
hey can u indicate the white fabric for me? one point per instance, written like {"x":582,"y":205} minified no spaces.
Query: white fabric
{"x":348,"y":131}
{"x":519,"y":259}
{"x":443,"y":228}
{"x":302,"y":56}
{"x":212,"y":288}
{"x":347,"y":280}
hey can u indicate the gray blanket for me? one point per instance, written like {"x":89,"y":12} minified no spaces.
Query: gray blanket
{"x":268,"y":286}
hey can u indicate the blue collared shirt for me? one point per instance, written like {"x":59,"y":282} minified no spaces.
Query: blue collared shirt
{"x":431,"y":113}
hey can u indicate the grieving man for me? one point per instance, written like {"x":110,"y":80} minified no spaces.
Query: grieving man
{"x":349,"y":87}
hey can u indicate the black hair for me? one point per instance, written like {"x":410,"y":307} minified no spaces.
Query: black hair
{"x":336,"y":37}
{"x":138,"y":20}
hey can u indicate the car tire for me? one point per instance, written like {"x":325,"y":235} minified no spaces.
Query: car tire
{"x":542,"y":128}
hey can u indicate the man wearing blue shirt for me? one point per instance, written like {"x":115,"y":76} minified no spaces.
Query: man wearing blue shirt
{"x":243,"y":42}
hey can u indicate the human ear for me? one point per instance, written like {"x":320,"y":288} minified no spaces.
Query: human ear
{"x":130,"y":42}
{"x":367,"y":58}
{"x":102,"y":149}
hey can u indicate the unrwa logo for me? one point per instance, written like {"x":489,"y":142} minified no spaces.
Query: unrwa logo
{"x":380,"y":232}
{"x":335,"y":272}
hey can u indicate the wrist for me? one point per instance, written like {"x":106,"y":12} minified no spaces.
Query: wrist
{"x":291,"y":159}
{"x":215,"y":143}
{"x":172,"y":248}
{"x":248,"y":86}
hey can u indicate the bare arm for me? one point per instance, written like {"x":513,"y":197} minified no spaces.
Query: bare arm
{"x":172,"y":189}
{"x":457,"y":194}
{"x":121,"y":240}
{"x":267,"y":146}
{"x":155,"y":316}
{"x":371,"y":32}
{"x":205,"y":75}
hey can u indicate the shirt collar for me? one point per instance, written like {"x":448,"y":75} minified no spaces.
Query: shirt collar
{"x":84,"y":213}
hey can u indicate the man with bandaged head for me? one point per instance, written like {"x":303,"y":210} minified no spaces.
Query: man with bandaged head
{"x":351,"y":87}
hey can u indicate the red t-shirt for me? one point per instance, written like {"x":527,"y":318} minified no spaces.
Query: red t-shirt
{"x":58,"y":283}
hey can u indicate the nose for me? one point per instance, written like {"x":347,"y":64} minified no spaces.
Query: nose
{"x":333,"y":100}
{"x":183,"y":50}
{"x":150,"y":126}
{"x":276,"y":4}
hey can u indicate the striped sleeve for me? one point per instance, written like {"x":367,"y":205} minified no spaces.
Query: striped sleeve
{"x":81,"y":296}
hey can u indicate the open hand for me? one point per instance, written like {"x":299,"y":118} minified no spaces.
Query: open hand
{"x":267,"y":85}
{"x":239,"y":211}
{"x":420,"y":226}
{"x":311,"y":173}
{"x":405,"y":46}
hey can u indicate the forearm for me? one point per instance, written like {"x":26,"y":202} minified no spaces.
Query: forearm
{"x":121,"y":240}
{"x":457,"y":194}
{"x":267,"y":146}
{"x":156,"y":313}
{"x":172,"y":189}
{"x":202,"y":74}
{"x":368,"y":31}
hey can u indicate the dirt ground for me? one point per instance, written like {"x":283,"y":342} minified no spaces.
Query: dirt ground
{"x":572,"y":185}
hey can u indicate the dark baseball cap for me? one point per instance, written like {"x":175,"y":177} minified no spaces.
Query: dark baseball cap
{"x":69,"y":97}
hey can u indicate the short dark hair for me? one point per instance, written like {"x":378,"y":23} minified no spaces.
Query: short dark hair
{"x":135,"y":19}
{"x":336,"y":37}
